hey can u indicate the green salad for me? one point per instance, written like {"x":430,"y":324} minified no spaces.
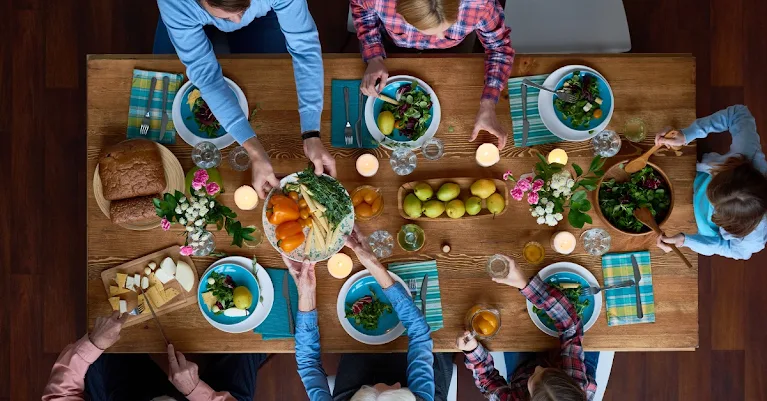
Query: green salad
{"x":572,"y":297}
{"x":645,"y":188}
{"x":367,"y":310}
{"x":412,"y":112}
{"x":223,"y":289}
{"x":588,"y":103}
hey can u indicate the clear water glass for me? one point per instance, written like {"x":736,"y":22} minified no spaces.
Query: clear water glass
{"x":205,"y":243}
{"x":596,"y":241}
{"x":433,"y":149}
{"x":498,"y":266}
{"x":606,"y":143}
{"x":239,"y":159}
{"x":411,"y":237}
{"x":206,"y":155}
{"x":403,"y":161}
{"x":635,"y":130}
{"x":382,"y":243}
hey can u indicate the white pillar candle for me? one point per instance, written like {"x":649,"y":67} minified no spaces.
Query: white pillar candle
{"x":487,"y":155}
{"x":246,"y":198}
{"x":563,"y":242}
{"x":367,"y":165}
{"x":340,"y":265}
{"x":558,"y":156}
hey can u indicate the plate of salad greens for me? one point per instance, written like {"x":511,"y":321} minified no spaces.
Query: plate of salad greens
{"x":588,"y":115}
{"x":410,"y":123}
{"x":194,"y":119}
{"x":569,"y":278}
{"x":365,"y":312}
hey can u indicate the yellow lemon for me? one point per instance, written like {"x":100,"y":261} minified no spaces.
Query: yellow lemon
{"x":386,"y":122}
{"x":242,"y":298}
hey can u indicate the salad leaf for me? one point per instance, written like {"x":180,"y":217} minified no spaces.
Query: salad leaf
{"x":413,"y":111}
{"x":367,"y":310}
{"x":645,"y":188}
{"x":205,"y":119}
{"x":223,"y":290}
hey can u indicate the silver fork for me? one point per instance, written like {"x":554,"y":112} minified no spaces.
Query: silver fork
{"x":413,"y":285}
{"x":589,"y":291}
{"x":138,"y":310}
{"x":145,"y":122}
{"x":565,"y":96}
{"x":348,"y":129}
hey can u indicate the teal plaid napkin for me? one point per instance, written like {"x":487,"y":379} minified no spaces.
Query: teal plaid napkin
{"x":538,"y":134}
{"x":138,"y":100}
{"x":276,"y":326}
{"x":338,"y":115}
{"x":620,"y":304}
{"x":418,"y":270}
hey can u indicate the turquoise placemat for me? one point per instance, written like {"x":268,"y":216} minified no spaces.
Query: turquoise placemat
{"x":276,"y":325}
{"x":138,"y":101}
{"x":418,"y":270}
{"x":537,"y":134}
{"x":620,"y":303}
{"x":337,"y":115}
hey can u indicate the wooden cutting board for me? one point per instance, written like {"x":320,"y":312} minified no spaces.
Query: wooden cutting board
{"x":137,"y":266}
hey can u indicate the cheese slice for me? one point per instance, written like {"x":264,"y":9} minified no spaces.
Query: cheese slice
{"x":120,"y":279}
{"x":155,"y":297}
{"x":117,"y":290}
{"x":209,"y":299}
{"x":115,"y":302}
{"x":163,"y":275}
{"x":569,"y":285}
{"x":153,"y":280}
{"x":184,"y":275}
{"x":170,"y":293}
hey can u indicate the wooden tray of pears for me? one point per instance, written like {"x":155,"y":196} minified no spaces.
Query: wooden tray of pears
{"x":453,"y":198}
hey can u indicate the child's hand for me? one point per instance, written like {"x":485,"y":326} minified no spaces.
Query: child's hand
{"x":663,"y":242}
{"x":670,"y":138}
{"x":515,"y":278}
{"x":466,"y":342}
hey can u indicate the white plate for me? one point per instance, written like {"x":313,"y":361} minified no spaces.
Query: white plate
{"x":575,"y":269}
{"x":265,"y":288}
{"x":192,"y":139}
{"x":390,"y":336}
{"x":347,"y":224}
{"x":549,"y":117}
{"x":386,"y":142}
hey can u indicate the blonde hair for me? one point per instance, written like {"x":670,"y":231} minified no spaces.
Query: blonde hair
{"x":556,"y":385}
{"x":428,"y":14}
{"x":367,"y":393}
{"x":738,"y":193}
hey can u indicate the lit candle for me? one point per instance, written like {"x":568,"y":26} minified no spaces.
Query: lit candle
{"x":246,"y":198}
{"x":563,"y":242}
{"x":558,"y":156}
{"x":488,"y":154}
{"x":340,"y":265}
{"x":367,"y":165}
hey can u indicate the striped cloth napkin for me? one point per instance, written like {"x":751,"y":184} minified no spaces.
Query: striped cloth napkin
{"x":537,"y":134}
{"x":418,"y":270}
{"x":621,"y":303}
{"x":276,"y":326}
{"x":338,"y":115}
{"x":138,"y":100}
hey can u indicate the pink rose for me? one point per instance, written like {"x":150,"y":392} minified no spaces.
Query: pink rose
{"x":517,"y":194}
{"x":165,"y":224}
{"x":532,"y":198}
{"x":186,"y":250}
{"x":197,"y":185}
{"x":524,"y":185}
{"x":201,"y":175}
{"x":537,"y":185}
{"x":212,"y":188}
{"x":529,"y":178}
{"x":507,"y":175}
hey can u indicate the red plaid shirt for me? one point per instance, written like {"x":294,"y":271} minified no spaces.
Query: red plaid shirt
{"x":484,"y":16}
{"x":556,"y":305}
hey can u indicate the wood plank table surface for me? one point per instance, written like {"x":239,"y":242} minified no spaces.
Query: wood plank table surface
{"x":660,"y":89}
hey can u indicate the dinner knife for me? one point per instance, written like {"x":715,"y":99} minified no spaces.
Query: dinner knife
{"x":286,"y":295}
{"x":525,"y":123}
{"x":164,"y":122}
{"x":156,"y":320}
{"x":424,"y":291}
{"x":637,"y":277}
{"x":358,"y":124}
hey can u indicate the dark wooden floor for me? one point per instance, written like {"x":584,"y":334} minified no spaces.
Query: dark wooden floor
{"x":42,"y":231}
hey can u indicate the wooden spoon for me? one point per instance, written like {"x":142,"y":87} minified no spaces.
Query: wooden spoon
{"x":641,"y":161}
{"x":645,"y":216}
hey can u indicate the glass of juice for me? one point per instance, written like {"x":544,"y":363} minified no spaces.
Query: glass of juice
{"x":483,"y":321}
{"x":411,"y":237}
{"x":533,"y":252}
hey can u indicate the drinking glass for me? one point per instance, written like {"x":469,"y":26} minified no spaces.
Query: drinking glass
{"x":596,"y":241}
{"x":606,"y":143}
{"x":403,"y":161}
{"x":239,"y":159}
{"x":411,"y":237}
{"x":483,"y":321}
{"x":433,"y":149}
{"x":258,"y":238}
{"x":533,"y":252}
{"x":206,"y":155}
{"x":635,"y":130}
{"x":498,"y":266}
{"x":203,"y":244}
{"x":382,"y":243}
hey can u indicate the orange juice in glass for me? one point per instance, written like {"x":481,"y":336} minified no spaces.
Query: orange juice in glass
{"x":533,"y":252}
{"x":483,"y":321}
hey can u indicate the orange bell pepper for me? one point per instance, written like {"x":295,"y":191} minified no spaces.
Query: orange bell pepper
{"x":288,"y":229}
{"x":290,"y":243}
{"x":281,"y":209}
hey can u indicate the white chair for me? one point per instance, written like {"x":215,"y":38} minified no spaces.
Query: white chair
{"x":567,"y":26}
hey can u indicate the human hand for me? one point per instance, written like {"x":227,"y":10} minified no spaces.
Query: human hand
{"x":376,"y":71}
{"x":106,"y":331}
{"x":466,"y":342}
{"x":670,"y":138}
{"x":663,"y":241}
{"x":261,"y":168}
{"x":486,"y":120}
{"x":357,"y":242}
{"x":304,"y":275}
{"x":319,"y":156}
{"x":183,"y":374}
{"x":516,"y":277}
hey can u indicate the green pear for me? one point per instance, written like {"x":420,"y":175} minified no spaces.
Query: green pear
{"x":455,"y":209}
{"x":473,"y":205}
{"x":423,"y":191}
{"x":448,"y":191}
{"x":495,"y":203}
{"x":433,"y":208}
{"x":412,"y":206}
{"x":483,"y":188}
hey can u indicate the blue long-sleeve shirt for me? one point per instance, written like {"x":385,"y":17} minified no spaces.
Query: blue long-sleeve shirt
{"x":420,"y":367}
{"x":745,"y":141}
{"x":185,"y":20}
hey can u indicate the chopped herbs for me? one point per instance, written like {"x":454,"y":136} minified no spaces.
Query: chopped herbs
{"x":367,"y":310}
{"x":329,"y":193}
{"x":645,"y":188}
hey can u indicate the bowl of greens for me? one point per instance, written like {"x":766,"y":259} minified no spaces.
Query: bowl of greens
{"x":413,"y":120}
{"x":194,"y":120}
{"x":619,"y":194}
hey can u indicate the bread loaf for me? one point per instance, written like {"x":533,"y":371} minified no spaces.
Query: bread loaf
{"x":134,"y":210}
{"x":131,"y":168}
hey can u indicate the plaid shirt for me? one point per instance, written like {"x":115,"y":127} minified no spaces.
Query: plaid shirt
{"x":550,"y":299}
{"x":484,"y":16}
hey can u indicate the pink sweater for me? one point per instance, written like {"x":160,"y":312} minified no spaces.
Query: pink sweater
{"x":68,"y":375}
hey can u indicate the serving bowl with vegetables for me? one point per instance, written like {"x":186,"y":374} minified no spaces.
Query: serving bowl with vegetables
{"x":195,"y":122}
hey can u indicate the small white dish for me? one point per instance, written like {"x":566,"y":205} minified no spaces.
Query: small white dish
{"x":184,"y":132}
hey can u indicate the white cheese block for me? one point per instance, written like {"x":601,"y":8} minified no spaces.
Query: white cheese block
{"x":129,"y":282}
{"x":162,"y":275}
{"x":587,"y":107}
{"x":234,"y":312}
{"x":598,"y":100}
{"x":137,"y":279}
{"x":184,"y":275}
{"x":153,"y":266}
{"x":168,"y":265}
{"x":147,"y":271}
{"x":145,"y":282}
{"x":123,"y":306}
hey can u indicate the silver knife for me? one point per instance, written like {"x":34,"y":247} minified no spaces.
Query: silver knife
{"x":637,"y":277}
{"x":164,"y":122}
{"x":358,"y":124}
{"x":424,"y":290}
{"x":286,"y":295}
{"x":525,"y":123}
{"x":156,"y":320}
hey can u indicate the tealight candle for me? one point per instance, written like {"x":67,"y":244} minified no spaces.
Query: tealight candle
{"x":340,"y":265}
{"x":487,"y":155}
{"x":563,"y":242}
{"x":558,"y":156}
{"x":246,"y":198}
{"x":367,"y":165}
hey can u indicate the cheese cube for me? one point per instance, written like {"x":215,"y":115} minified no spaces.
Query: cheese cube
{"x":116,"y":290}
{"x":123,"y":306}
{"x":587,"y":107}
{"x":147,"y":271}
{"x":137,"y":279}
{"x":145,"y":282}
{"x":152,"y":265}
{"x":115,"y":302}
{"x":120,"y":279}
{"x":209,"y":299}
{"x":129,"y":283}
{"x":598,"y":100}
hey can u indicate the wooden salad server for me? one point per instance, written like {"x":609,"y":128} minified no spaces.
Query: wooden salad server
{"x":645,"y":216}
{"x":641,"y":161}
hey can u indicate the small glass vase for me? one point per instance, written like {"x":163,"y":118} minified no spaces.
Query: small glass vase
{"x":202,"y":241}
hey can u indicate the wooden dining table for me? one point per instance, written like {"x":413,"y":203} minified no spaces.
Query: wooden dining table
{"x":659,"y":89}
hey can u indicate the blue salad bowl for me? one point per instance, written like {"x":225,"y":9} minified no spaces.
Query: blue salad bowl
{"x":391,"y":91}
{"x":368,"y":286}
{"x":241,"y":277}
{"x":605,"y":93}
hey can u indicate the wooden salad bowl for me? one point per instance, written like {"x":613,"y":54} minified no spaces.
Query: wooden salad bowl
{"x":616,"y":171}
{"x":465,"y":184}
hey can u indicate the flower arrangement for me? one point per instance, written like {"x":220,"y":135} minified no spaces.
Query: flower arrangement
{"x":199,"y":210}
{"x":552,"y":189}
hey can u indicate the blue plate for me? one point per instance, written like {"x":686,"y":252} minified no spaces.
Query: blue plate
{"x":391,"y":91}
{"x":604,"y":94}
{"x":368,"y":286}
{"x":567,"y":277}
{"x":242,"y":277}
{"x":188,"y":117}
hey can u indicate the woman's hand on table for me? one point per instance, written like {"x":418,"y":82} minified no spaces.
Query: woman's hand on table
{"x":263,"y":173}
{"x":106,"y":331}
{"x":376,"y":71}
{"x":357,"y":242}
{"x":319,"y":156}
{"x":487,"y":121}
{"x":663,"y":242}
{"x":182,"y":373}
{"x":674,"y":139}
{"x":304,"y":276}
{"x":516,"y":277}
{"x":466,"y":342}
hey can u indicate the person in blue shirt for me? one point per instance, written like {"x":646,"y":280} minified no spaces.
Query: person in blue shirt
{"x":251,"y":26}
{"x":729,"y":191}
{"x":361,"y":378}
